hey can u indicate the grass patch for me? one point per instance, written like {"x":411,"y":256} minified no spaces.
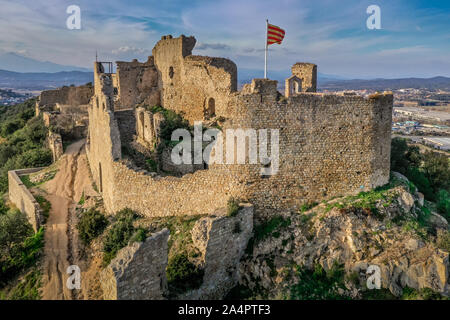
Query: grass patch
{"x":151,"y":165}
{"x":318,"y":284}
{"x":20,"y":247}
{"x":266,"y":229}
{"x":378,"y":294}
{"x":27,"y":288}
{"x":82,"y":199}
{"x":422,"y":294}
{"x":180,"y":232}
{"x":26,"y":181}
{"x":232,"y":207}
{"x":307,"y":206}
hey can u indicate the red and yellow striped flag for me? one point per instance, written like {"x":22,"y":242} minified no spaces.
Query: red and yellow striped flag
{"x":274,"y":34}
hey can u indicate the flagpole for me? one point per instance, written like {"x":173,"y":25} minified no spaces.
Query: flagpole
{"x":265,"y":51}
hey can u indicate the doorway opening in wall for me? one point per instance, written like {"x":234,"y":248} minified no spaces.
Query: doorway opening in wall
{"x":210,"y":110}
{"x":100,"y":176}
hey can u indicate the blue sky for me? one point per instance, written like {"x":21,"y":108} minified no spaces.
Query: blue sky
{"x":414,"y":39}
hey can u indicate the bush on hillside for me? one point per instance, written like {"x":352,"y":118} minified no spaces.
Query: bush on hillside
{"x":91,"y":224}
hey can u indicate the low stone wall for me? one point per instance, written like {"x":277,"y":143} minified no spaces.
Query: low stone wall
{"x":66,"y":95}
{"x":138,"y":272}
{"x":22,"y":198}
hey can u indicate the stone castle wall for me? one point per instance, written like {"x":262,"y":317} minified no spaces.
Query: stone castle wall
{"x":193,"y":84}
{"x":64,"y":112}
{"x":137,"y":83}
{"x":139,"y":270}
{"x":22,"y":198}
{"x":66,"y":96}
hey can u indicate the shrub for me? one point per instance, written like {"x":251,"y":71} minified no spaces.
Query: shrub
{"x":422,"y":294}
{"x":232,"y":207}
{"x":91,"y":225}
{"x":19,"y":246}
{"x":403,"y":156}
{"x":24,"y":147}
{"x":28,"y":288}
{"x":3,"y":207}
{"x":172,"y":121}
{"x":183,"y":275}
{"x":139,"y":236}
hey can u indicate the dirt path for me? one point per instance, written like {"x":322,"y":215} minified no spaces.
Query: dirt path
{"x":61,"y":241}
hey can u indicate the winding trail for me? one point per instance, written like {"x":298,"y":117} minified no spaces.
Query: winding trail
{"x":61,"y":241}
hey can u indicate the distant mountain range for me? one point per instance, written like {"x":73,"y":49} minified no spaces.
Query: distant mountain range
{"x":43,"y":80}
{"x":387,"y":84}
{"x":246,"y":75}
{"x":31,"y":74}
{"x":15,"y":62}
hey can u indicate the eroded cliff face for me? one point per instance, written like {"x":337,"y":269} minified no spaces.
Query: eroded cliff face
{"x":388,"y":228}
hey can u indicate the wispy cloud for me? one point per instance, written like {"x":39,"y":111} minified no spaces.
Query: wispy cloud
{"x":333,"y":34}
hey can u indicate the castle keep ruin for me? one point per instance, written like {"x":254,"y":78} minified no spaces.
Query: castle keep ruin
{"x":329,"y":144}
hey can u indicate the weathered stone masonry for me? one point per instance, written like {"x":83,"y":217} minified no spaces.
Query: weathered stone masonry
{"x":330,"y":144}
{"x":138,"y":272}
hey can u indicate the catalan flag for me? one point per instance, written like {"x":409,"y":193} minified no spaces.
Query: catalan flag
{"x":274,"y":34}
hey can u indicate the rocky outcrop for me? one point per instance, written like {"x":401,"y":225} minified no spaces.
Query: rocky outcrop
{"x":379,"y":228}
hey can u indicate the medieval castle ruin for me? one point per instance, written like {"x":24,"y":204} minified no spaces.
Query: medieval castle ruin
{"x":328,"y":145}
